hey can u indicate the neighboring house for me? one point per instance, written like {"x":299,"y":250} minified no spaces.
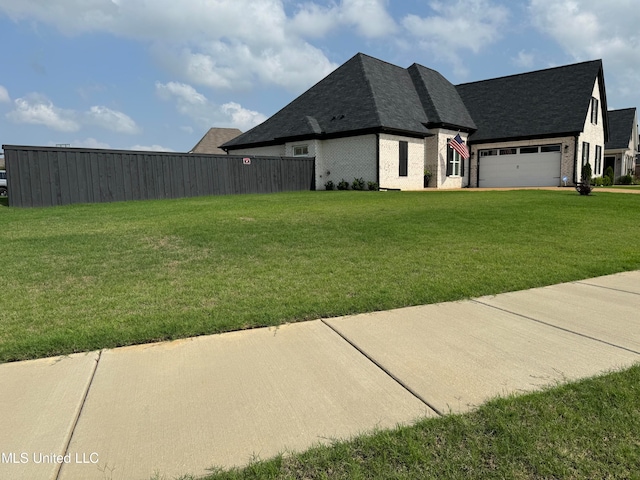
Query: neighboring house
{"x":388,"y":124}
{"x":621,"y":150}
{"x":212,"y":140}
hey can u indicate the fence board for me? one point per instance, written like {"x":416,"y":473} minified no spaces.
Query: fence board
{"x":47,"y":176}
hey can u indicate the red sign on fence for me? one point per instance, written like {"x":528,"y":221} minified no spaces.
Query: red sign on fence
{"x":246,"y":161}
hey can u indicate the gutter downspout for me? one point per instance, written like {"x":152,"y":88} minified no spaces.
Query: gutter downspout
{"x":378,"y":159}
{"x":575,"y":162}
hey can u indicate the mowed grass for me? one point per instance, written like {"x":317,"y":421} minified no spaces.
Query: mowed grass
{"x":589,"y":429}
{"x":85,"y":277}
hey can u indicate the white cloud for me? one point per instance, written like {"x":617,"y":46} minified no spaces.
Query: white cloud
{"x":4,"y":95}
{"x":222,"y":44}
{"x":112,"y":120}
{"x":241,"y":117}
{"x":151,"y":148}
{"x":458,"y":25}
{"x":369,"y":17}
{"x":36,"y":109}
{"x":592,"y":29}
{"x":524,"y":59}
{"x":192,"y":104}
{"x":89,"y":143}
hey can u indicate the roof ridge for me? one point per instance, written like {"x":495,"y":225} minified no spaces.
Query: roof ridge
{"x":532,"y":72}
{"x":369,"y":85}
{"x":427,"y":96}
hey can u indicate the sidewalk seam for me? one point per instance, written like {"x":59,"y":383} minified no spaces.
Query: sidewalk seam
{"x":555,"y":326}
{"x":77,"y":419}
{"x":386,"y":371}
{"x":583,"y":282}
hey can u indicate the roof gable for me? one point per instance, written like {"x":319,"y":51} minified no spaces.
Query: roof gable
{"x":440,"y":99}
{"x":364,"y":94}
{"x":541,"y":103}
{"x":621,"y":126}
{"x":212,"y":140}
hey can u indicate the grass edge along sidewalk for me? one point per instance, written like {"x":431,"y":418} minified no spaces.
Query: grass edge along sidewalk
{"x":86,"y":277}
{"x":585,"y":429}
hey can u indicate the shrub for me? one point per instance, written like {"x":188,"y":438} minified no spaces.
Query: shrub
{"x":358,"y":184}
{"x":372,"y":185}
{"x":609,"y":173}
{"x":601,"y":181}
{"x":584,"y":188}
{"x":329,"y":185}
{"x":625,"y":180}
{"x":587,"y":173}
{"x":343,"y":185}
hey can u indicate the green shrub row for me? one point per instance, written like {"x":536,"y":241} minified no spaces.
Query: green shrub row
{"x":357,"y":184}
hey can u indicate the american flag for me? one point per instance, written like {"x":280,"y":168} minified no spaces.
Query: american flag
{"x":458,"y":145}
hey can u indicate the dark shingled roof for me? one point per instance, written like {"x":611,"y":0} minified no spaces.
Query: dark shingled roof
{"x":440,"y":99}
{"x":621,"y":127}
{"x":365,"y":95}
{"x":554,"y":101}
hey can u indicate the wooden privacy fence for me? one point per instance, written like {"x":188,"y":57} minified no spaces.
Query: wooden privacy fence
{"x":48,"y":176}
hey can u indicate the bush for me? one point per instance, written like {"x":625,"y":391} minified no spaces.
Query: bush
{"x":584,"y":188}
{"x":358,"y":184}
{"x":587,"y":172}
{"x":625,"y":180}
{"x":329,"y":185}
{"x":609,"y":173}
{"x":343,"y":185}
{"x":372,"y":185}
{"x":601,"y":181}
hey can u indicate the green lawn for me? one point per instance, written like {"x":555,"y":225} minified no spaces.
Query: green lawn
{"x":586,"y":430}
{"x":629,"y":187}
{"x":84,"y":277}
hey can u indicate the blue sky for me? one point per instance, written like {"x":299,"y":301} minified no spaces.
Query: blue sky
{"x":135,"y":74}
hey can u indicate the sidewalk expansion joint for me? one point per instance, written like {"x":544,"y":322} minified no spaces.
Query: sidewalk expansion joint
{"x":542,"y":322}
{"x":79,"y":412}
{"x":608,"y":288}
{"x":385,"y":370}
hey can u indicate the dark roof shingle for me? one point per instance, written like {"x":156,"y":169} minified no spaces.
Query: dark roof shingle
{"x":621,"y":123}
{"x":535,"y":104}
{"x":364,"y":94}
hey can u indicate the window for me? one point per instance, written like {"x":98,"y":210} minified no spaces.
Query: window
{"x":597,"y":170}
{"x":508,"y":151}
{"x":585,"y":153}
{"x":549,"y":148}
{"x":488,"y":153}
{"x":455,"y":166}
{"x":301,"y":150}
{"x":403,"y":159}
{"x":528,"y":149}
{"x":594,"y":110}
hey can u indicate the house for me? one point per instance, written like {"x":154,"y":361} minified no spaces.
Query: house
{"x":374,"y":120}
{"x":212,"y":140}
{"x":621,"y":150}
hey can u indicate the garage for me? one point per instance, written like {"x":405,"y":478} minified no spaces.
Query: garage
{"x":531,"y":166}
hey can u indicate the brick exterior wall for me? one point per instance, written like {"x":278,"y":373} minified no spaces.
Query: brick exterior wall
{"x":390,"y":162}
{"x":345,"y":158}
{"x":593,"y":134}
{"x":436,"y":161}
{"x":567,"y":150}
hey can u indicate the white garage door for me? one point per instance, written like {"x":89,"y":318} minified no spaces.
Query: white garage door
{"x":520,"y":167}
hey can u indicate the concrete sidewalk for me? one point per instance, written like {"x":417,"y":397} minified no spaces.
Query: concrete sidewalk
{"x":180,"y":407}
